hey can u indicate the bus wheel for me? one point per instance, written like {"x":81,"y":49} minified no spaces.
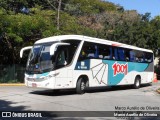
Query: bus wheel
{"x":81,"y":86}
{"x":137,"y":83}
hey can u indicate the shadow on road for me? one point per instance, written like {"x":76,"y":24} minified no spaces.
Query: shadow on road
{"x":15,"y":112}
{"x":54,"y":92}
{"x":6,"y":106}
{"x":89,"y":90}
{"x":113,"y":88}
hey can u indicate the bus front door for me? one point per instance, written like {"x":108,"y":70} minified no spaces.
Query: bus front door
{"x":63,"y":74}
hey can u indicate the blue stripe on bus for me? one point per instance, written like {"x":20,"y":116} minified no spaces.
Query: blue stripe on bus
{"x":115,"y":79}
{"x":42,"y":75}
{"x":83,"y":65}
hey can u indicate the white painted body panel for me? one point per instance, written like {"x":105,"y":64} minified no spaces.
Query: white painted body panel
{"x":67,"y":77}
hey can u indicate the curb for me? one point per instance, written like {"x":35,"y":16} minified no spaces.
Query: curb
{"x":12,"y":84}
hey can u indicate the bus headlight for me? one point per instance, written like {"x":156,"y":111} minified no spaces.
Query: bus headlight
{"x":43,"y":78}
{"x":37,"y":79}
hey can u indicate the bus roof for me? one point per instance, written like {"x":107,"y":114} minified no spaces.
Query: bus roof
{"x":89,"y":39}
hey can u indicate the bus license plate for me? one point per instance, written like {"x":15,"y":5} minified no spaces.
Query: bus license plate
{"x":34,"y":85}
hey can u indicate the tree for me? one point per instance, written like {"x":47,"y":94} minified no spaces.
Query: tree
{"x":57,"y":9}
{"x":22,"y":22}
{"x":58,"y":12}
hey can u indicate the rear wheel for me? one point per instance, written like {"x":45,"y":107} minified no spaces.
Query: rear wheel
{"x":137,"y":83}
{"x":81,"y":86}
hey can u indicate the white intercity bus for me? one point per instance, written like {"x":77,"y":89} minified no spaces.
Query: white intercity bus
{"x":76,"y":61}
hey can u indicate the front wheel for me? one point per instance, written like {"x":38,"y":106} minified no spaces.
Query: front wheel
{"x":137,"y":83}
{"x":81,"y":86}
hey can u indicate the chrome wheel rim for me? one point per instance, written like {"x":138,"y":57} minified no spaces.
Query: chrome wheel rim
{"x":82,"y":86}
{"x":137,"y":83}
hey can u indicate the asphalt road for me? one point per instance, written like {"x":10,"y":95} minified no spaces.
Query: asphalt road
{"x":21,"y":98}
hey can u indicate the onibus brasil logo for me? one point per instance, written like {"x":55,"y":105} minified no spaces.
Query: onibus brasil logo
{"x":119,"y":68}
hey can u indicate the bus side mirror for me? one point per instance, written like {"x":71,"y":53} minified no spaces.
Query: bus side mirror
{"x":54,"y":46}
{"x":24,"y":49}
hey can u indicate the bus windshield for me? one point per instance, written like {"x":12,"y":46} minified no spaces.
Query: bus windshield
{"x":39,"y":59}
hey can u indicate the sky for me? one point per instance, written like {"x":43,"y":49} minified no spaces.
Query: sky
{"x":142,"y":6}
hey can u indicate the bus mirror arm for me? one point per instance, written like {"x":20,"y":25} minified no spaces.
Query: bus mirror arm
{"x":24,"y":49}
{"x":54,"y":47}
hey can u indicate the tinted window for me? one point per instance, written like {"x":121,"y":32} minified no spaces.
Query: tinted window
{"x":72,"y":48}
{"x":88,"y":51}
{"x":115,"y":54}
{"x":121,"y":54}
{"x":148,"y":57}
{"x":139,"y":56}
{"x":118,"y":54}
{"x":95,"y":51}
{"x":104,"y":51}
{"x":127,"y":55}
{"x":65,"y":54}
{"x":101,"y":51}
{"x":132,"y":56}
{"x":61,"y":57}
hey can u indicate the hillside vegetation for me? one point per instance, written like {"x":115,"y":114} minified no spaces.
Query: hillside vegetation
{"x":22,"y":22}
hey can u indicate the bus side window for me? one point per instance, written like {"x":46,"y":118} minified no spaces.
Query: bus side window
{"x":127,"y":55}
{"x":83,"y":55}
{"x":72,"y":49}
{"x":61,"y":58}
{"x":106,"y":54}
{"x":121,"y":54}
{"x":87,"y":52}
{"x":96,"y":54}
{"x":104,"y":51}
{"x":91,"y":52}
{"x":115,"y":54}
{"x":148,"y":57}
{"x":139,"y":56}
{"x":132,"y":56}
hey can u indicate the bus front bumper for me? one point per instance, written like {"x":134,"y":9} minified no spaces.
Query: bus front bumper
{"x":47,"y":82}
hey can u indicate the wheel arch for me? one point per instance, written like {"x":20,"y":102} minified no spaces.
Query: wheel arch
{"x":84,"y":76}
{"x":137,"y":82}
{"x":138,"y":77}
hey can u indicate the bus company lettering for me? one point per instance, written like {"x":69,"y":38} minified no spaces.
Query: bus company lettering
{"x":120,"y":68}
